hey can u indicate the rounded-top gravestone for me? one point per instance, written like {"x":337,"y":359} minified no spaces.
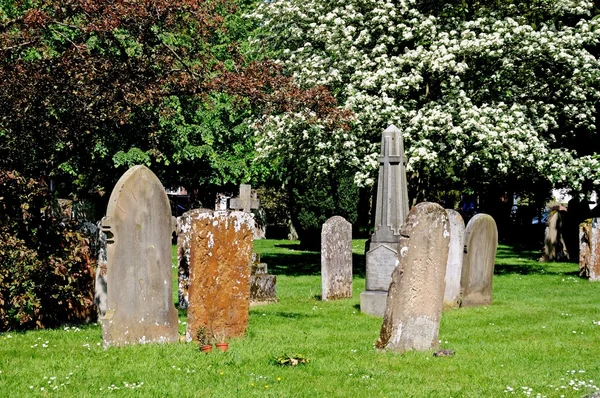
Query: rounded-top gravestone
{"x":138,"y":225}
{"x":478,"y":263}
{"x":455,"y":258}
{"x":336,"y":259}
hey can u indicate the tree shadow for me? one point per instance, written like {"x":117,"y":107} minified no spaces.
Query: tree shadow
{"x":302,"y":263}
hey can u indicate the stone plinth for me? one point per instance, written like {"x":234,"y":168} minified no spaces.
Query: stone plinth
{"x":477,"y":272}
{"x":138,"y":225}
{"x":219,"y":273}
{"x":336,"y":259}
{"x":416,"y":295}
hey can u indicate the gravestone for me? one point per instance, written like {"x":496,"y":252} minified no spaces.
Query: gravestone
{"x":416,"y":295}
{"x":391,"y":210}
{"x":263,"y":287}
{"x":248,"y":201}
{"x":478,"y":262}
{"x":219,"y":273}
{"x":336,"y":259}
{"x":589,"y":249}
{"x":555,"y":248}
{"x":455,"y":258}
{"x":100,"y":282}
{"x":138,"y":226}
{"x":184,"y":237}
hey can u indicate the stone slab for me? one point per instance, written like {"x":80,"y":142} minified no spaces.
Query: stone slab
{"x":373,"y":302}
{"x":589,"y":249}
{"x":416,"y":294}
{"x":219,"y":287}
{"x":336,"y":259}
{"x":455,"y":259}
{"x":381,"y":260}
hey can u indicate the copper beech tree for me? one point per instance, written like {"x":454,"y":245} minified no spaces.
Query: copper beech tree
{"x":90,"y":85}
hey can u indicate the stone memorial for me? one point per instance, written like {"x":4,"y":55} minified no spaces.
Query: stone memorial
{"x":455,"y":259}
{"x":481,"y":242}
{"x":263,"y":287}
{"x":336,"y":259}
{"x":138,"y":226}
{"x":416,"y":295}
{"x":589,"y":249}
{"x":248,"y":201}
{"x":184,"y":237}
{"x":391,"y":210}
{"x":219,"y":273}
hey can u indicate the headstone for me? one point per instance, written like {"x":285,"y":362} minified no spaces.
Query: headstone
{"x":390,"y":212}
{"x":416,"y":295}
{"x":477,"y":272}
{"x":555,"y":248}
{"x":219,"y":273}
{"x":248,"y":201}
{"x":455,"y":259}
{"x":184,"y":237}
{"x":138,"y":225}
{"x":589,"y":249}
{"x":263,"y":287}
{"x":336,"y":259}
{"x":100,"y":285}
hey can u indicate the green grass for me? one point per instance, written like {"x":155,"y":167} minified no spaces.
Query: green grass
{"x":536,"y":333}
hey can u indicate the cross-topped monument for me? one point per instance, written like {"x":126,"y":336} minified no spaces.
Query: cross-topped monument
{"x":391,"y":210}
{"x":247,"y":200}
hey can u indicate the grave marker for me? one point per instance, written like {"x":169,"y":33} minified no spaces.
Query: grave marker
{"x":477,"y":272}
{"x":589,"y":249}
{"x":390,"y":212}
{"x":336,"y":259}
{"x":416,"y":295}
{"x":138,"y":225}
{"x":455,"y":258}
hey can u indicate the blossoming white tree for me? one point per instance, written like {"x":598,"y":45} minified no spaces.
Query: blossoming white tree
{"x":484,"y":91}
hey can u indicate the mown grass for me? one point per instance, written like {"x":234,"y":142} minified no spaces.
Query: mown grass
{"x":538,"y":337}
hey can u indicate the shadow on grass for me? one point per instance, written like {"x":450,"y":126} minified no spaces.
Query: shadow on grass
{"x":304,"y":263}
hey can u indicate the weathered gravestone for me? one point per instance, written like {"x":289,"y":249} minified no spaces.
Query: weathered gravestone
{"x":416,"y":295}
{"x":138,"y":225}
{"x":219,"y":273}
{"x":391,"y":210}
{"x":455,"y":258}
{"x":555,"y":248}
{"x":263,"y":287}
{"x":184,"y":237}
{"x":336,"y":259}
{"x":589,"y":249}
{"x":248,"y":201}
{"x":478,"y":262}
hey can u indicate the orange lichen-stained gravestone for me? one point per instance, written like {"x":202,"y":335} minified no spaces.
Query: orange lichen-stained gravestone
{"x":219,"y":273}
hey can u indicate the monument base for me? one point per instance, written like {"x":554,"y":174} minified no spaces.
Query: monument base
{"x":373,"y":302}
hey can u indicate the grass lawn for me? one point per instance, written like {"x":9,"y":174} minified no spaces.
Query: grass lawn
{"x":540,"y":336}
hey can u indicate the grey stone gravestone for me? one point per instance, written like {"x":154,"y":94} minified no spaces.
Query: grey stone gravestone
{"x":391,"y":210}
{"x":477,"y":272}
{"x":138,"y":225}
{"x":455,"y":259}
{"x":589,"y":249}
{"x":336,"y":259}
{"x":416,"y":295}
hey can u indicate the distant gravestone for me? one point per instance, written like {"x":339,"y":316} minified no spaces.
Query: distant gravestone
{"x":477,"y":272}
{"x":391,"y":209}
{"x":589,"y":249}
{"x":219,"y":273}
{"x":138,"y":225}
{"x":184,"y":237}
{"x":248,"y":201}
{"x":336,"y":259}
{"x":416,"y":295}
{"x":455,"y":258}
{"x":263,"y":287}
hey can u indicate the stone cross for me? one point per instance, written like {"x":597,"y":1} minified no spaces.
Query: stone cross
{"x":391,"y":209}
{"x":416,"y":294}
{"x":138,"y":225}
{"x":246,"y":201}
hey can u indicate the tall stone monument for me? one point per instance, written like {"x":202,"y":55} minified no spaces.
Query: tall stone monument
{"x":455,"y":259}
{"x":477,"y":271}
{"x":416,"y":295}
{"x":336,"y":259}
{"x":138,"y":225}
{"x":391,"y":210}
